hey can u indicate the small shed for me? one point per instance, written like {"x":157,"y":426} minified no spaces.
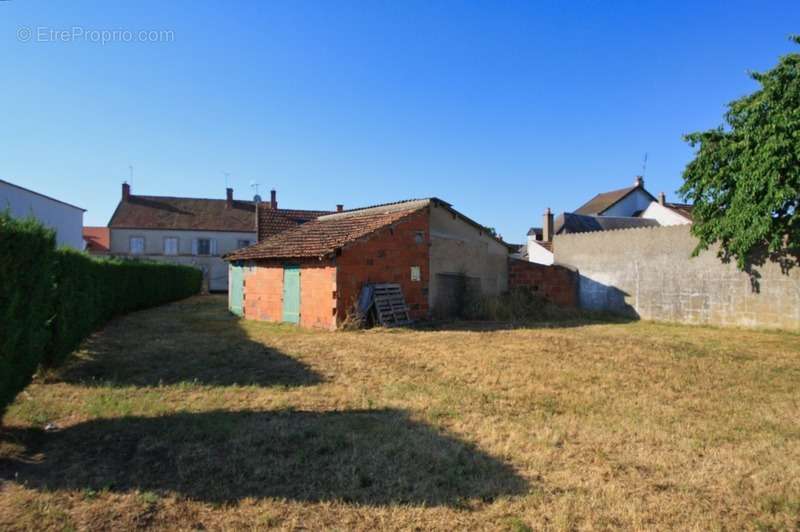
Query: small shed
{"x":312,"y":274}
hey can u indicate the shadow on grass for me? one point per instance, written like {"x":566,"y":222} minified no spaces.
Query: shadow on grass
{"x":373,"y":457}
{"x":194,"y":341}
{"x":492,"y":325}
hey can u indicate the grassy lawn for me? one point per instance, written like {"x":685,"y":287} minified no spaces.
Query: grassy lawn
{"x":184,"y":417}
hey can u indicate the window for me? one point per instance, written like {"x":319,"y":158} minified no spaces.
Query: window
{"x":419,"y":237}
{"x":242,"y":243}
{"x":415,"y":273}
{"x":203,"y":246}
{"x":137,"y":245}
{"x":170,"y":245}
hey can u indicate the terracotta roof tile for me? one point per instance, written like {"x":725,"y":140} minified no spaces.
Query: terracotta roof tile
{"x":98,"y":239}
{"x":163,"y":212}
{"x":324,"y":235}
{"x":273,"y":221}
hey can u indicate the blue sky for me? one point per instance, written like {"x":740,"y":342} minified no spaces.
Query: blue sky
{"x":501,"y":108}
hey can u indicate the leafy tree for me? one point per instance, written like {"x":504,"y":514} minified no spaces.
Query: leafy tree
{"x":745,"y":179}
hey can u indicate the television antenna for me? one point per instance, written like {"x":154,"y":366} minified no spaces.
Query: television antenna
{"x":227,"y":177}
{"x":254,"y":186}
{"x":130,"y":174}
{"x":644,"y":165}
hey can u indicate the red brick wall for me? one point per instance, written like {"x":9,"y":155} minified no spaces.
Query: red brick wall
{"x":263,"y":293}
{"x":387,"y":257}
{"x":557,"y":284}
{"x":317,"y":295}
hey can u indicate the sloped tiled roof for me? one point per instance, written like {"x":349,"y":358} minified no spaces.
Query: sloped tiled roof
{"x":578,"y":223}
{"x":603,"y":201}
{"x":684,"y":209}
{"x":98,"y":239}
{"x":324,"y":235}
{"x":164,"y":212}
{"x":273,"y":221}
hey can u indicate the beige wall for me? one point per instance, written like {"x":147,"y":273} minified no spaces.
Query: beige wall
{"x":649,"y":272}
{"x":215,"y":268}
{"x":459,"y":247}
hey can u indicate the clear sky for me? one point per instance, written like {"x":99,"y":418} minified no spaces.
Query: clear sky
{"x":501,"y":108}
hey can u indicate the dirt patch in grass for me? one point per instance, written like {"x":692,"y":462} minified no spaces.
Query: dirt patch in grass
{"x":184,"y":417}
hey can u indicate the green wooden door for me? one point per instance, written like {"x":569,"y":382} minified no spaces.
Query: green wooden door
{"x":291,"y":294}
{"x":236,"y":288}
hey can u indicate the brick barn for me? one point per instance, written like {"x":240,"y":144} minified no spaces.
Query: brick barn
{"x":312,"y":274}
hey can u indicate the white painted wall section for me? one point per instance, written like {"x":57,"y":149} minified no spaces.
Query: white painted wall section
{"x":537,"y":253}
{"x":664,"y":215}
{"x":65,"y":219}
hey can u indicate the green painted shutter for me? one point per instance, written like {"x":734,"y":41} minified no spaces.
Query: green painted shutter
{"x":236,"y":289}
{"x":291,"y":294}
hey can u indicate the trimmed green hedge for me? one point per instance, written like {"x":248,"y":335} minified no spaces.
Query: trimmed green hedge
{"x":27,"y":256}
{"x":52,"y":299}
{"x":89,"y":291}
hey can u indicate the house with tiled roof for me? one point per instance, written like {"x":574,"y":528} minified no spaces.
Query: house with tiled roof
{"x":313,"y":274}
{"x":195,"y":231}
{"x":97,"y":240}
{"x":624,"y":208}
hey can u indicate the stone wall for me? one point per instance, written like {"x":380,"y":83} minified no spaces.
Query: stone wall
{"x":555,"y":283}
{"x":649,"y":273}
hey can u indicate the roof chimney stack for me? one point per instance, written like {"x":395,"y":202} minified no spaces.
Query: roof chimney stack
{"x":547,"y":226}
{"x":229,"y":198}
{"x":339,"y":207}
{"x":639,"y":182}
{"x":662,"y":198}
{"x":273,"y":199}
{"x":126,"y":191}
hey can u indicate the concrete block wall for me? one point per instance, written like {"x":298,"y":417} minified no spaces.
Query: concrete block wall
{"x":649,"y":273}
{"x":387,"y":256}
{"x":557,"y":284}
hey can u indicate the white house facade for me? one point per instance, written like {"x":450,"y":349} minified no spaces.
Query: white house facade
{"x":64,"y":218}
{"x":192,"y":231}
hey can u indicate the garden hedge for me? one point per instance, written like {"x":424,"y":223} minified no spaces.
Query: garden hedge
{"x":52,"y":299}
{"x":26,"y":301}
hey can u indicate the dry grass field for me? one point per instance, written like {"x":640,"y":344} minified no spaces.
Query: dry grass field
{"x":183,"y":417}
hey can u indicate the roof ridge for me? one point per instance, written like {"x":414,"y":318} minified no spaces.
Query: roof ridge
{"x":395,"y":206}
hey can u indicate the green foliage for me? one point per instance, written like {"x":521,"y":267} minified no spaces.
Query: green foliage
{"x":745,"y":179}
{"x":89,"y":291}
{"x":26,"y":287}
{"x":52,"y":299}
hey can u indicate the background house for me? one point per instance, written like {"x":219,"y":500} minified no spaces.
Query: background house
{"x":196,"y":231}
{"x":65,"y":219}
{"x":625,"y":208}
{"x":97,"y":240}
{"x":313,"y":274}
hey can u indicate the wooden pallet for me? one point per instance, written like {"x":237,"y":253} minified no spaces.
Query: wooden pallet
{"x":390,"y":305}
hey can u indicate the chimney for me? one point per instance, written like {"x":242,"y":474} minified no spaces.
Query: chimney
{"x":339,"y":207}
{"x":228,"y":198}
{"x":662,"y":198}
{"x":126,"y":191}
{"x":273,"y":199}
{"x":639,"y":182}
{"x":547,"y":226}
